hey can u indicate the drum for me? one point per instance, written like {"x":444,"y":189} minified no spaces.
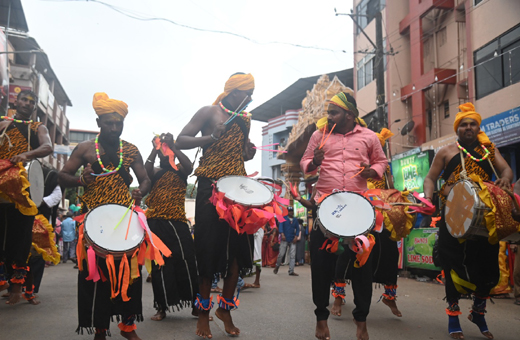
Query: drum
{"x":35,"y":177}
{"x":345,"y":215}
{"x":99,"y":230}
{"x":464,"y":212}
{"x":245,"y":191}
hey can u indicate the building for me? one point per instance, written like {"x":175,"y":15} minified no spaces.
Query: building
{"x":438,"y":55}
{"x":28,"y":67}
{"x":281,"y":113}
{"x":77,"y":136}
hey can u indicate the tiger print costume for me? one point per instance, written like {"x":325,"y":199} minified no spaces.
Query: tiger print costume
{"x":176,"y":283}
{"x":112,"y":188}
{"x":474,"y":261}
{"x":16,"y":139}
{"x":216,"y":243}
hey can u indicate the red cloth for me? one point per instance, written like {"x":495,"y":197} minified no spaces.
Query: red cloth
{"x":269,"y":256}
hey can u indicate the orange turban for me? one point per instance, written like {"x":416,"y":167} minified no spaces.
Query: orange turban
{"x":242,"y":82}
{"x":384,"y":135}
{"x":102,"y":104}
{"x":467,"y":110}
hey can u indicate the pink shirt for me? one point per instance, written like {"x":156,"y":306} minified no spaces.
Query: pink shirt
{"x":343,"y":155}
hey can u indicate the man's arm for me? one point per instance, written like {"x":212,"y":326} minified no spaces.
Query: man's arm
{"x":378,"y":161}
{"x":186,"y":167}
{"x":67,"y":177}
{"x":150,"y":161}
{"x":433,"y":174}
{"x":504,"y":170}
{"x":187,"y":139}
{"x":43,"y":150}
{"x":306,"y":164}
{"x":144,"y":182}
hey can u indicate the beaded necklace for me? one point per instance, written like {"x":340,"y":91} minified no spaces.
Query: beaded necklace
{"x":470,"y":156}
{"x":241,"y":114}
{"x":27,"y":122}
{"x":109,"y":172}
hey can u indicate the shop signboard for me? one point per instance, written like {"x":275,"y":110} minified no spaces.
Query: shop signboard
{"x":299,"y":210}
{"x":409,"y":171}
{"x":418,"y":246}
{"x":503,"y":128}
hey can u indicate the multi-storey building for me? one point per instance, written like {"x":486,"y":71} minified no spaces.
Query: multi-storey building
{"x":439,"y":54}
{"x":28,"y":67}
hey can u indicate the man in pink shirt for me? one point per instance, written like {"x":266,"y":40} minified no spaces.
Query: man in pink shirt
{"x":349,"y":148}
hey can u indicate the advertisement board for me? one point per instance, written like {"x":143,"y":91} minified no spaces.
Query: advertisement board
{"x":299,"y":210}
{"x":409,"y":171}
{"x":503,"y":128}
{"x":418,"y":246}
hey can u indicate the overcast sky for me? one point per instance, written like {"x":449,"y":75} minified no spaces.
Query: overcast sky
{"x":165,"y":73}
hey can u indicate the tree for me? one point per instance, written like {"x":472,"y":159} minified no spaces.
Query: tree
{"x":189,"y":189}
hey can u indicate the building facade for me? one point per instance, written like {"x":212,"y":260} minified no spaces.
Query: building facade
{"x":438,"y":55}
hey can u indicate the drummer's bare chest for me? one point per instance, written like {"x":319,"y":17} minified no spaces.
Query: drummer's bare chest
{"x":90,"y":156}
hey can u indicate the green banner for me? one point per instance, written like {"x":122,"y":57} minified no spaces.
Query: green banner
{"x":419,"y":247}
{"x":409,"y":172}
{"x":299,"y":210}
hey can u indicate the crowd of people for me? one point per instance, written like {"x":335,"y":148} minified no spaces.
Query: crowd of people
{"x":186,"y":268}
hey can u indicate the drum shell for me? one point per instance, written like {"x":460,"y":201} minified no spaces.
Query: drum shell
{"x":36,"y":179}
{"x":102,"y":251}
{"x":477,"y":228}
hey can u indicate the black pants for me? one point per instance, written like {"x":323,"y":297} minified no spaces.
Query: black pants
{"x":36,"y":266}
{"x":327,"y":267}
{"x":475,"y":261}
{"x":15,"y":236}
{"x":385,"y":259}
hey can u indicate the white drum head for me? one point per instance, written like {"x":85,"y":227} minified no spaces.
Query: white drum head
{"x":346,"y":214}
{"x":100,"y":223}
{"x":35,"y":176}
{"x":245,"y":191}
{"x":459,"y":209}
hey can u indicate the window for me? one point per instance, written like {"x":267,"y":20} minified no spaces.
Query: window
{"x":446,"y":109}
{"x":367,"y":9}
{"x":366,"y":68}
{"x":476,"y":2}
{"x":492,"y":72}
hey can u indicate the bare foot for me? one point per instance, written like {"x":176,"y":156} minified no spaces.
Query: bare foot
{"x":4,"y":286}
{"x":130,"y":335}
{"x":361,"y":332}
{"x":225,"y":316}
{"x":195,"y":312}
{"x":6,"y":295}
{"x":322,"y":330}
{"x":100,"y":337}
{"x":255,"y":285}
{"x":457,"y":335}
{"x":203,"y":329}
{"x":336,"y":307}
{"x":159,"y":316}
{"x":393,"y":307}
{"x":15,"y":295}
{"x":34,"y":302}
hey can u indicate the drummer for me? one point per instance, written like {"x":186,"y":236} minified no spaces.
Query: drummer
{"x":108,"y":152}
{"x":351,"y":149}
{"x":472,"y":262}
{"x":21,"y":140}
{"x":176,"y":283}
{"x":219,"y":248}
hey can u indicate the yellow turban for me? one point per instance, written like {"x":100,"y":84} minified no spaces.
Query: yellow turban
{"x":242,"y":82}
{"x":103,"y":105}
{"x":467,"y":110}
{"x":384,"y":135}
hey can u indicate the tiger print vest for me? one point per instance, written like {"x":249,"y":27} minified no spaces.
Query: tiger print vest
{"x":166,"y":199}
{"x":16,"y":139}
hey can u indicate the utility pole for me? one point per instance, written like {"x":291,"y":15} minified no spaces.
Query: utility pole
{"x":381,"y":117}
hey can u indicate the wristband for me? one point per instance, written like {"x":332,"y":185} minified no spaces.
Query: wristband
{"x":82,"y":181}
{"x":214,"y":138}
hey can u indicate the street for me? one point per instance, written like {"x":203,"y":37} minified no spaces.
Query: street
{"x":281,"y":309}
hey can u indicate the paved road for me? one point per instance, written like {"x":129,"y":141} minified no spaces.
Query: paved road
{"x":281,"y":309}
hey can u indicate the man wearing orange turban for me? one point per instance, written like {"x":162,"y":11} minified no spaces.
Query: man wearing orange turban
{"x":471,"y":264}
{"x":219,"y":248}
{"x":106,"y":180}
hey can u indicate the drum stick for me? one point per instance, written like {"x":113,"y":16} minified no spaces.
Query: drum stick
{"x":407,"y":204}
{"x":129,"y":221}
{"x":323,"y":143}
{"x":126,"y":212}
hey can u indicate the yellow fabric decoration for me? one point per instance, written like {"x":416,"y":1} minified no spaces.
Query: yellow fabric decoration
{"x":467,"y":110}
{"x":460,"y":283}
{"x":384,"y":135}
{"x":102,"y":104}
{"x":16,"y":180}
{"x":489,"y":216}
{"x":134,"y":268}
{"x":322,"y":123}
{"x":148,"y":265}
{"x":408,"y":225}
{"x":503,"y":284}
{"x":47,"y":248}
{"x":242,"y":82}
